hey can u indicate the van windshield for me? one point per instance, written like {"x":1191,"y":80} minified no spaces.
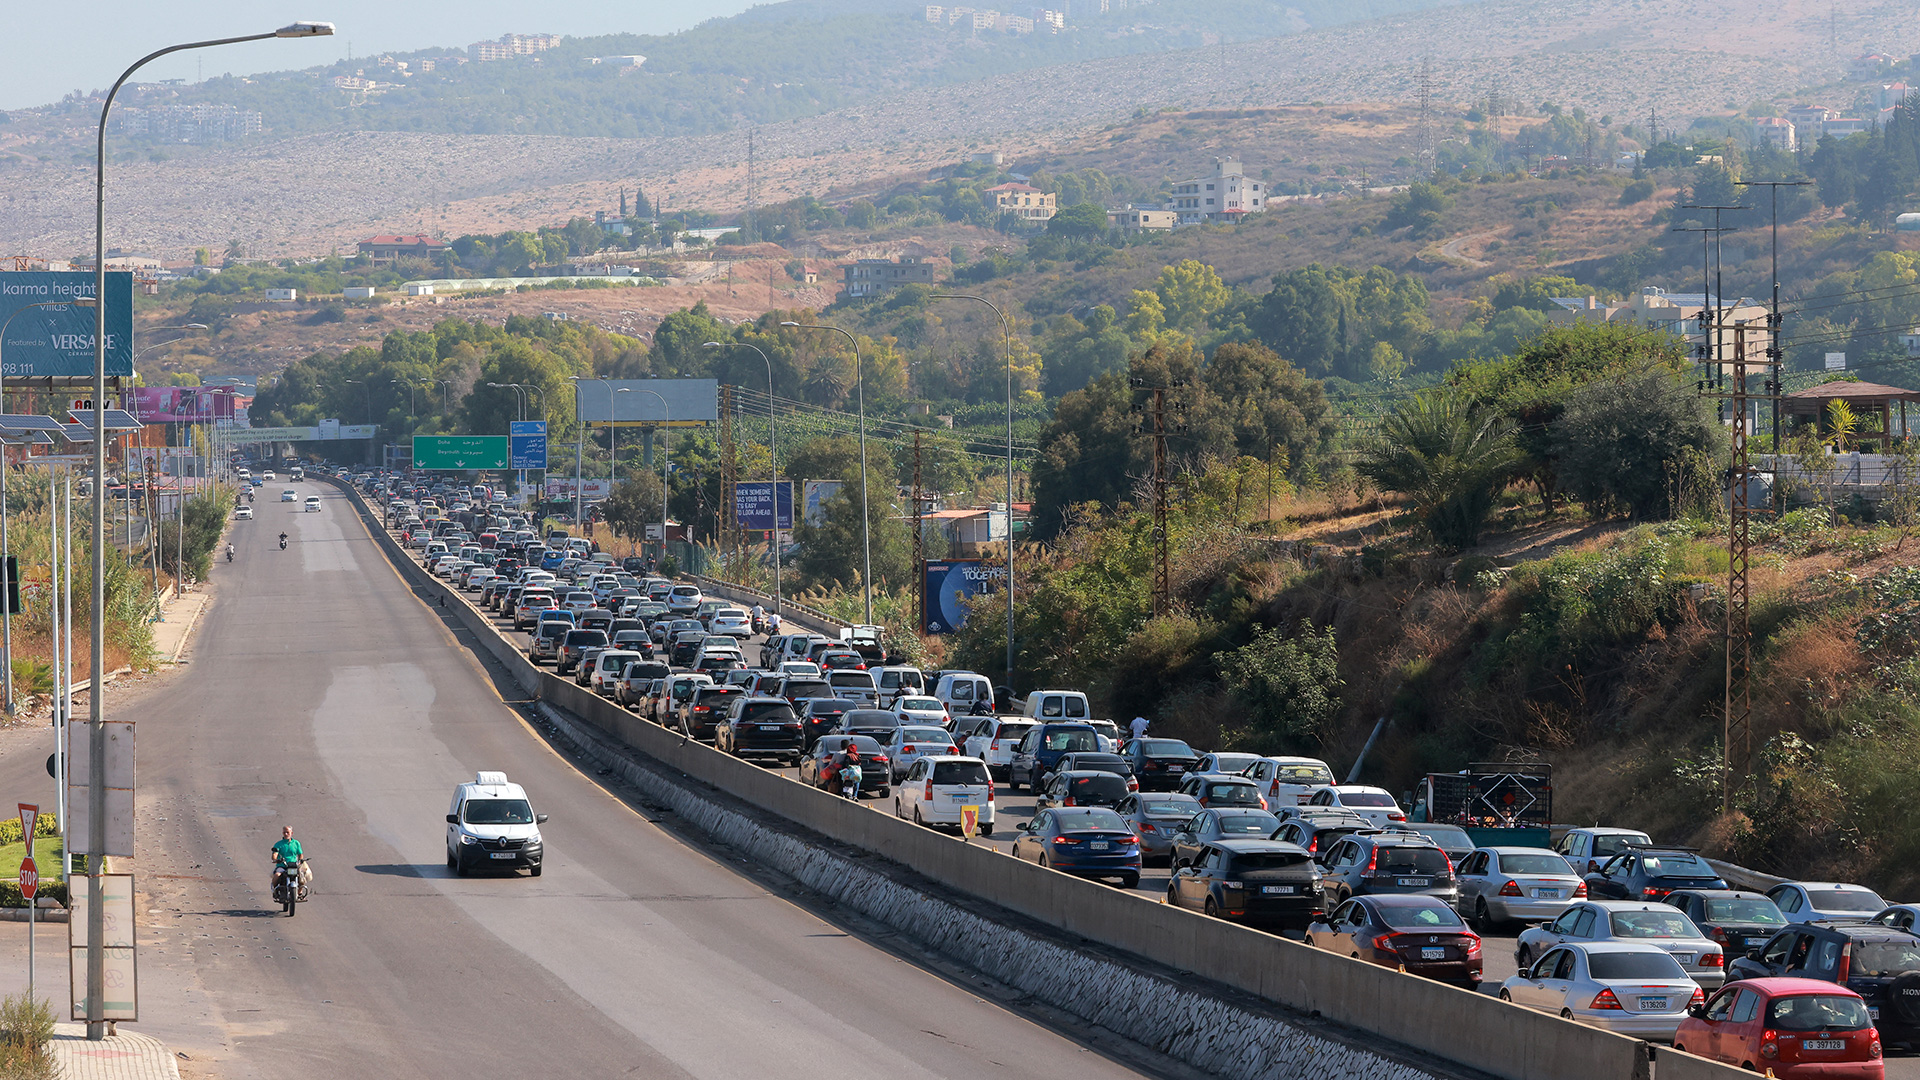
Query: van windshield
{"x":499,"y":812}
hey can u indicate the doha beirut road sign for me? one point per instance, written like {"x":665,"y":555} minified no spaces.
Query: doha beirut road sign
{"x":460,"y":451}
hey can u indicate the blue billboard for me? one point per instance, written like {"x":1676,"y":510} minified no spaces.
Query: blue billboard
{"x":46,"y":336}
{"x":753,"y":504}
{"x":527,"y":444}
{"x":949,"y":582}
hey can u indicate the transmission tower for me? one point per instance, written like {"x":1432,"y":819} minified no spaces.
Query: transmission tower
{"x":752,"y":192}
{"x":919,"y":538}
{"x":1425,"y":153}
{"x":1154,"y":424}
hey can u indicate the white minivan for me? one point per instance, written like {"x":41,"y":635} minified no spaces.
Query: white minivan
{"x":958,"y":690}
{"x":491,"y":825}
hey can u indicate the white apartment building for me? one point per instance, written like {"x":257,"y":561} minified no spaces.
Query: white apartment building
{"x":1227,"y":194}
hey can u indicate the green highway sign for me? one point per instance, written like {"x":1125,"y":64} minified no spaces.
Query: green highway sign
{"x":460,"y":451}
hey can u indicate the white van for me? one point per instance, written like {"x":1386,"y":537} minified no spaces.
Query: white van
{"x":491,"y":824}
{"x":897,"y":681}
{"x":958,"y":690}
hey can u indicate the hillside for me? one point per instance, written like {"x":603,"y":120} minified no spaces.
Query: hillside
{"x":315,"y":193}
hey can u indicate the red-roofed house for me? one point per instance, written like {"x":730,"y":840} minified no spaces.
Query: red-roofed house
{"x":1029,"y":203}
{"x":388,"y":248}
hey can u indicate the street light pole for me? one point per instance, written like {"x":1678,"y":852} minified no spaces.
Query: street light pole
{"x":96,"y":663}
{"x":773,"y":456}
{"x":866,"y":538}
{"x":1006,"y":327}
{"x":666,"y":458}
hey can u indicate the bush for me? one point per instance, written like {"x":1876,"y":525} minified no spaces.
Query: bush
{"x":26,"y":1027}
{"x":1291,"y":687}
{"x":1638,"y":191}
{"x":1575,"y":602}
{"x":1449,"y":458}
{"x":1641,"y":445}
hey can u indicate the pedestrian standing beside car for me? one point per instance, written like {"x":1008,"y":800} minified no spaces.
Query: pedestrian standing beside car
{"x":1139,"y":727}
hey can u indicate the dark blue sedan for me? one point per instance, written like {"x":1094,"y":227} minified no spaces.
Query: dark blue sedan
{"x":1089,"y":841}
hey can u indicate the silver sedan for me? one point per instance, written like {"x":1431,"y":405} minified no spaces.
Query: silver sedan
{"x":1154,"y":817}
{"x":1624,"y":987}
{"x":1639,"y":922}
{"x":1515,"y":884}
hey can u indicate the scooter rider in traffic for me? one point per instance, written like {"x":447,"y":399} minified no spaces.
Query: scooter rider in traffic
{"x":283,"y":540}
{"x":229,"y":552}
{"x":847,"y":761}
{"x":287,"y":857}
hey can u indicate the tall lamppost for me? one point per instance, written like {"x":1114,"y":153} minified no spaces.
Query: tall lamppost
{"x":773,"y":455}
{"x":96,"y":716}
{"x":666,"y":457}
{"x":370,"y":422}
{"x":580,"y":448}
{"x":1006,"y":326}
{"x":866,"y":538}
{"x":520,"y":401}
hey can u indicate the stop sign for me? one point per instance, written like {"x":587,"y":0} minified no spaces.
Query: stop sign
{"x":29,"y":878}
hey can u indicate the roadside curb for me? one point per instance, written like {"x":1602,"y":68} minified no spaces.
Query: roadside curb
{"x":44,"y":915}
{"x":127,"y":1055}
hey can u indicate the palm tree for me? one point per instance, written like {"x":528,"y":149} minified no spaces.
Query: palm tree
{"x":1449,"y":458}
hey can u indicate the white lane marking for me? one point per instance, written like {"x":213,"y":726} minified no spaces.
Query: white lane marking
{"x":683,"y":999}
{"x":323,"y":546}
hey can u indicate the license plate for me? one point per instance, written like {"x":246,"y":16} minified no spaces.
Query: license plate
{"x":1415,"y":882}
{"x":1873,"y":1011}
{"x":1755,"y":942}
{"x":1099,"y":845}
{"x":1277,"y":890}
{"x":770,"y":727}
{"x":1176,"y":768}
{"x":1433,"y":954}
{"x":504,"y":855}
{"x":967,"y":800}
{"x":1546,"y":894}
{"x":1685,"y":959}
{"x":1653,"y":1004}
{"x":1824,"y":1044}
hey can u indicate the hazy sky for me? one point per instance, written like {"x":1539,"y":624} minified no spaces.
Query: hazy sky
{"x":58,"y":49}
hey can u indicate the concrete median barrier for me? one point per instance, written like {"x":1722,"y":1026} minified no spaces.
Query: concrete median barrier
{"x":1475,"y":1031}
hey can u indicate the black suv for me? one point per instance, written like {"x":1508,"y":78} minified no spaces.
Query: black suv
{"x":1255,"y":881}
{"x":1644,"y":872}
{"x":1879,"y":963}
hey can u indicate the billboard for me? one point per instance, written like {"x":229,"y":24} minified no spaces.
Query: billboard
{"x":562,"y":488}
{"x":183,"y":404}
{"x":813,"y":498}
{"x":460,"y":451}
{"x":948,"y":583}
{"x":753,"y":504}
{"x":332,"y":433}
{"x":527,"y":444}
{"x":55,"y":340}
{"x":649,"y":402}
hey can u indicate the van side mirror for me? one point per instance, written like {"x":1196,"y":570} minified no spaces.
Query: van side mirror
{"x":539,"y":819}
{"x":452,"y":820}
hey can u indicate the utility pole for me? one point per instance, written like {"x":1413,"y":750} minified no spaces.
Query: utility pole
{"x":1425,"y":152}
{"x":1776,"y":356}
{"x":1156,"y":427}
{"x":747,"y":233}
{"x":729,"y":479}
{"x":919,"y":541}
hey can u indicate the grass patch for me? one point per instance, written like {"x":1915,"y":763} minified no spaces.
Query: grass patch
{"x":46,"y":858}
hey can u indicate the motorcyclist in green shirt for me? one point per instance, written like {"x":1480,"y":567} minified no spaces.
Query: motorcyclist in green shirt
{"x":287,"y":854}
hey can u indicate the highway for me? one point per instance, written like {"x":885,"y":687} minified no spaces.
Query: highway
{"x":324,"y":695}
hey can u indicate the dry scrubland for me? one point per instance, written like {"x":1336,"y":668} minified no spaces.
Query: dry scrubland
{"x":311,"y":195}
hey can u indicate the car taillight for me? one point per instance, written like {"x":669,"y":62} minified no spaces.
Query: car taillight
{"x":1065,"y":840}
{"x":1511,"y":888}
{"x":1396,"y":816}
{"x":928,"y":794}
{"x":1605,"y":1000}
{"x":1873,"y":1048}
{"x":1147,"y":826}
{"x":1473,"y":945}
{"x":1580,"y":890}
{"x":1714,"y":959}
{"x":1769,"y":1045}
{"x":1314,"y":846}
{"x":1263,"y":800}
{"x":1373,"y":860}
{"x":1699,"y":998}
{"x":1132,"y":784}
{"x":1150,"y":765}
{"x":989,"y":789}
{"x":1846,"y":966}
{"x":1069,"y":801}
{"x":907,"y":749}
{"x":1717,"y":933}
{"x":1651,"y":893}
{"x":1384,"y":943}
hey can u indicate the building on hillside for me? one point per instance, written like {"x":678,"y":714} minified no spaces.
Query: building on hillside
{"x":512,"y":45}
{"x":1868,"y":66}
{"x":283,"y":294}
{"x":873,"y":277}
{"x":1676,"y":313}
{"x":1142,"y":219}
{"x":1842,"y":126}
{"x":1890,"y":95}
{"x":357,"y":292}
{"x":1227,"y":194}
{"x":630,"y":60}
{"x":1776,"y":132}
{"x":1022,"y":201}
{"x":188,"y":123}
{"x":1809,"y":121}
{"x":385,"y":249}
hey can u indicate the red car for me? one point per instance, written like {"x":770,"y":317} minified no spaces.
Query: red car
{"x":1786,"y":1027}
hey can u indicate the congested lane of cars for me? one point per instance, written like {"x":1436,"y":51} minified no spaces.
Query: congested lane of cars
{"x":1605,"y":927}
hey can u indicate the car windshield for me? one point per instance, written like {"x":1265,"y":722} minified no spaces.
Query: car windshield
{"x":1095,"y":817}
{"x":1070,"y":741}
{"x":1244,"y":794}
{"x":499,"y":812}
{"x":1651,"y":964}
{"x":1183,"y":807}
{"x":1410,"y":860}
{"x":1845,"y":900}
{"x":1249,"y":824}
{"x":1745,"y":909}
{"x":762,"y":712}
{"x":1615,"y":843}
{"x":1818,"y":1012}
{"x":1651,"y":924}
{"x":1678,"y":866}
{"x":1418,"y":918}
{"x":1447,"y":836}
{"x":1165,"y":748}
{"x":1535,"y":864}
{"x":1365,"y":798}
{"x":920,"y":704}
{"x":1304,"y":774}
{"x":960,"y":772}
{"x":1882,"y":958}
{"x":923,"y":734}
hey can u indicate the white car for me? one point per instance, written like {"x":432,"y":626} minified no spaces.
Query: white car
{"x":803,"y":668}
{"x":477,"y":577}
{"x":994,"y":741}
{"x":578,"y":601}
{"x":938,"y":786}
{"x":921,"y":710}
{"x":731,"y":621}
{"x":289,"y":495}
{"x":1639,"y":921}
{"x":910,"y":744}
{"x":1625,"y":987}
{"x":491,"y":825}
{"x":1800,"y":901}
{"x":268,"y":475}
{"x":855,"y":685}
{"x":1283,"y":777}
{"x":243,"y":513}
{"x":607,"y":668}
{"x":1372,"y":803}
{"x":313,"y":504}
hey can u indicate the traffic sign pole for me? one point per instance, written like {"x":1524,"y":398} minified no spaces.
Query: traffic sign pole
{"x":29,"y":880}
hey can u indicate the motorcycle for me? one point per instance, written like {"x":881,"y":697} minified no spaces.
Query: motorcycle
{"x":283,"y":543}
{"x":290,"y":886}
{"x":849,"y":780}
{"x":229,"y":554}
{"x":759,"y":623}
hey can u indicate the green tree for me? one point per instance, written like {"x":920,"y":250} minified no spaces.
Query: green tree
{"x":1634,"y":445}
{"x":1081,"y":221}
{"x":1255,"y":402}
{"x":833,"y":551}
{"x":1085,"y":452}
{"x":1191,"y":293}
{"x":1451,"y":459}
{"x":1291,"y":686}
{"x":1078,"y":353}
{"x":633,"y":504}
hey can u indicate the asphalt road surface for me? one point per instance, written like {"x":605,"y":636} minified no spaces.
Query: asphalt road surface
{"x":324,"y":695}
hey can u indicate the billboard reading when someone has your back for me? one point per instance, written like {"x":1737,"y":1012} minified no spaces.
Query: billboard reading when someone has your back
{"x":949,"y":582}
{"x":48,"y":337}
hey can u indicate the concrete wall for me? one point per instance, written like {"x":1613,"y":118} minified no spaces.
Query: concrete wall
{"x":1474,"y":1030}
